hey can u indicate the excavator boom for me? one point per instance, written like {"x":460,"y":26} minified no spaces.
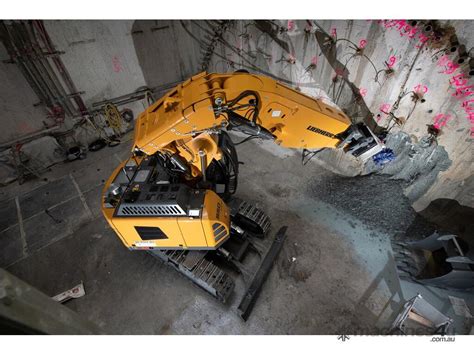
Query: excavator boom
{"x":203,"y":104}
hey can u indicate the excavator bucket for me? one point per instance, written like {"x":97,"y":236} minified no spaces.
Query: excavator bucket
{"x":440,"y":260}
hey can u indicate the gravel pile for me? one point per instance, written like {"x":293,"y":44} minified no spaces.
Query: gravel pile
{"x":376,"y":200}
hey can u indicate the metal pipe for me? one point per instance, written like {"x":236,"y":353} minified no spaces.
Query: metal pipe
{"x":23,"y":45}
{"x":61,"y":94}
{"x":39,"y":66}
{"x":61,"y":68}
{"x":202,"y":155}
{"x":20,"y":57}
{"x":24,"y":55}
{"x":28,"y":137}
{"x":47,"y":77}
{"x":5,"y":38}
{"x":139,"y":94}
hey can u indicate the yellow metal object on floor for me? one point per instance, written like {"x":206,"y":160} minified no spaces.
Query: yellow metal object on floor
{"x":113,"y":118}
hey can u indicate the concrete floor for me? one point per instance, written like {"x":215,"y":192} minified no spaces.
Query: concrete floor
{"x":334,"y":275}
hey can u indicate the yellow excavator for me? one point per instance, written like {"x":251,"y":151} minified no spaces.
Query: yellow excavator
{"x":174,"y":196}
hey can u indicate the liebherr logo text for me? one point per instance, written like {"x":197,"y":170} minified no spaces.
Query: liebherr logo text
{"x":319,"y":131}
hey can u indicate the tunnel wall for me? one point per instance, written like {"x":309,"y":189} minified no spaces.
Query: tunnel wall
{"x":19,"y":114}
{"x":373,"y":63}
{"x":100,"y":57}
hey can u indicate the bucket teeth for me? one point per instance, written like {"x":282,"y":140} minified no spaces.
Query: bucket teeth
{"x":429,"y":261}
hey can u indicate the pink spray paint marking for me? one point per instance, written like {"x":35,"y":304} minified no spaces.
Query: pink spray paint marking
{"x":422,"y":40}
{"x":441,"y":120}
{"x":420,"y":89}
{"x":290,"y":25}
{"x":449,"y":66}
{"x":387,"y":23}
{"x":408,"y":31}
{"x":117,"y":66}
{"x":362,"y":43}
{"x":391,"y":61}
{"x":400,"y":24}
{"x":458,"y":80}
{"x":405,"y":30}
{"x":443,"y":60}
{"x":385,"y":108}
{"x":292,"y":58}
{"x":334,"y":32}
{"x":339,"y":71}
{"x":464,"y":91}
{"x":362,"y":92}
{"x":314,"y":60}
{"x":468,"y":105}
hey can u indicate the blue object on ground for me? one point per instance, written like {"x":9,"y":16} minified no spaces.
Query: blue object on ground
{"x":383,"y":157}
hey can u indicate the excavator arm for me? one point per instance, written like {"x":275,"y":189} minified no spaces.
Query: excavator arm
{"x":186,"y":121}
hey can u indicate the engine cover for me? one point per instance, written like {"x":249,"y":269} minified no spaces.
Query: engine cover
{"x":148,"y":211}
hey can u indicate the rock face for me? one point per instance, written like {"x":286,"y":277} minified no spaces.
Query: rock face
{"x":417,"y":164}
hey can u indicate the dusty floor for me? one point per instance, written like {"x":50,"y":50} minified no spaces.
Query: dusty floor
{"x":334,"y":275}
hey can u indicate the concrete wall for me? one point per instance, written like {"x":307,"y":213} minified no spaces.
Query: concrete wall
{"x":18,"y":115}
{"x":110,"y":58}
{"x":101,"y":60}
{"x":165,"y":52}
{"x":99,"y":56}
